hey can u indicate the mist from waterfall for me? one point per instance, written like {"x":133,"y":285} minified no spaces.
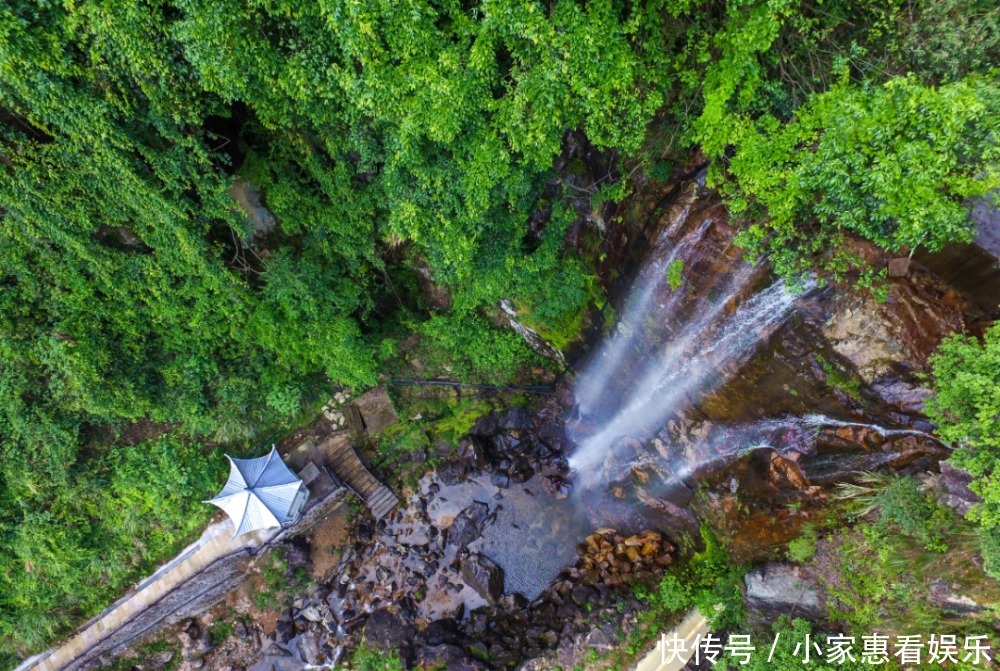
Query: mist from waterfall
{"x":697,"y":356}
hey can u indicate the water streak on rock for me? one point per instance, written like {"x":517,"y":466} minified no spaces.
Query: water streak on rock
{"x":591,"y":387}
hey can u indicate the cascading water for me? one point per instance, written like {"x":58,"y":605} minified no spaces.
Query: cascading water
{"x":705,"y":349}
{"x":683,"y":370}
{"x":591,"y":387}
{"x":824,"y":421}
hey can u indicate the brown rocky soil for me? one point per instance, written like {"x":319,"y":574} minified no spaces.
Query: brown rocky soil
{"x":327,"y":541}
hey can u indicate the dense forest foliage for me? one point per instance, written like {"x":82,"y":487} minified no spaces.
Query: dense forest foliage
{"x":391,"y":140}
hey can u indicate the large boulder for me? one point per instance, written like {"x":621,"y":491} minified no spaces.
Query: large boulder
{"x":296,"y":555}
{"x":779,"y":589}
{"x":486,"y":425}
{"x":947,"y":597}
{"x":387,"y":631}
{"x":309,"y":648}
{"x":451,"y":473}
{"x":484,"y":576}
{"x":955,"y":492}
{"x":468,"y":524}
{"x":889,"y":341}
{"x":471,"y":454}
{"x":515,"y":419}
{"x":439,"y":632}
{"x":906,"y":396}
{"x":973,"y":268}
{"x":372,"y":412}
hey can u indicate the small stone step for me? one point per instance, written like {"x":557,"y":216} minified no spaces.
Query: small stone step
{"x":348,"y":468}
{"x":382,"y":502}
{"x":381,"y":493}
{"x":379,"y":511}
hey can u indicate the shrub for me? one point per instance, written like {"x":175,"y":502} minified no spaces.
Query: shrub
{"x":902,"y":507}
{"x":709,"y":581}
{"x":221,"y":631}
{"x":134,"y":503}
{"x":989,"y":545}
{"x":915,"y":513}
{"x":966,"y":405}
{"x":803,"y":548}
{"x":675,"y":274}
{"x":893,"y":164}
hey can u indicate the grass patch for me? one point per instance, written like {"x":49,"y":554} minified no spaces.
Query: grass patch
{"x":895,"y":550}
{"x":675,"y":274}
{"x":840,"y":380}
{"x":368,"y":658}
{"x":277,"y":583}
{"x":803,"y":548}
{"x":221,"y":631}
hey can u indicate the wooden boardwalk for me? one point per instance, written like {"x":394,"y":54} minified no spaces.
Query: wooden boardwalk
{"x":341,"y":458}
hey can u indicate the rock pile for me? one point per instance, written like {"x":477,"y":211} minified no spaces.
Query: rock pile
{"x":201,"y":647}
{"x":562,"y":617}
{"x":195,"y":642}
{"x":612,"y":559}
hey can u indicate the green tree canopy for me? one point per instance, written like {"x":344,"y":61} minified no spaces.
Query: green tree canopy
{"x":966,"y":404}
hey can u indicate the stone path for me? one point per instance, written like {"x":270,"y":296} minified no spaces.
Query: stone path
{"x":216,"y":542}
{"x":691,"y":627}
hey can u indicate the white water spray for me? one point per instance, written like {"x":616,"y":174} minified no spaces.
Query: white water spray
{"x":703,"y":354}
{"x":591,"y":387}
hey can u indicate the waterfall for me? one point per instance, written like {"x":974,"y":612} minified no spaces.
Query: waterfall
{"x":725,"y":442}
{"x":702,"y":352}
{"x":707,"y":349}
{"x":591,"y":387}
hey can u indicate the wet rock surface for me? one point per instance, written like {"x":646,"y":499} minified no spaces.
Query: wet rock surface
{"x":483,"y":575}
{"x":489,"y":564}
{"x":449,"y":657}
{"x":469,"y":524}
{"x":776,"y":589}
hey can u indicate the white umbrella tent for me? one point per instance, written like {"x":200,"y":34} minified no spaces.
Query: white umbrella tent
{"x":261,"y":493}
